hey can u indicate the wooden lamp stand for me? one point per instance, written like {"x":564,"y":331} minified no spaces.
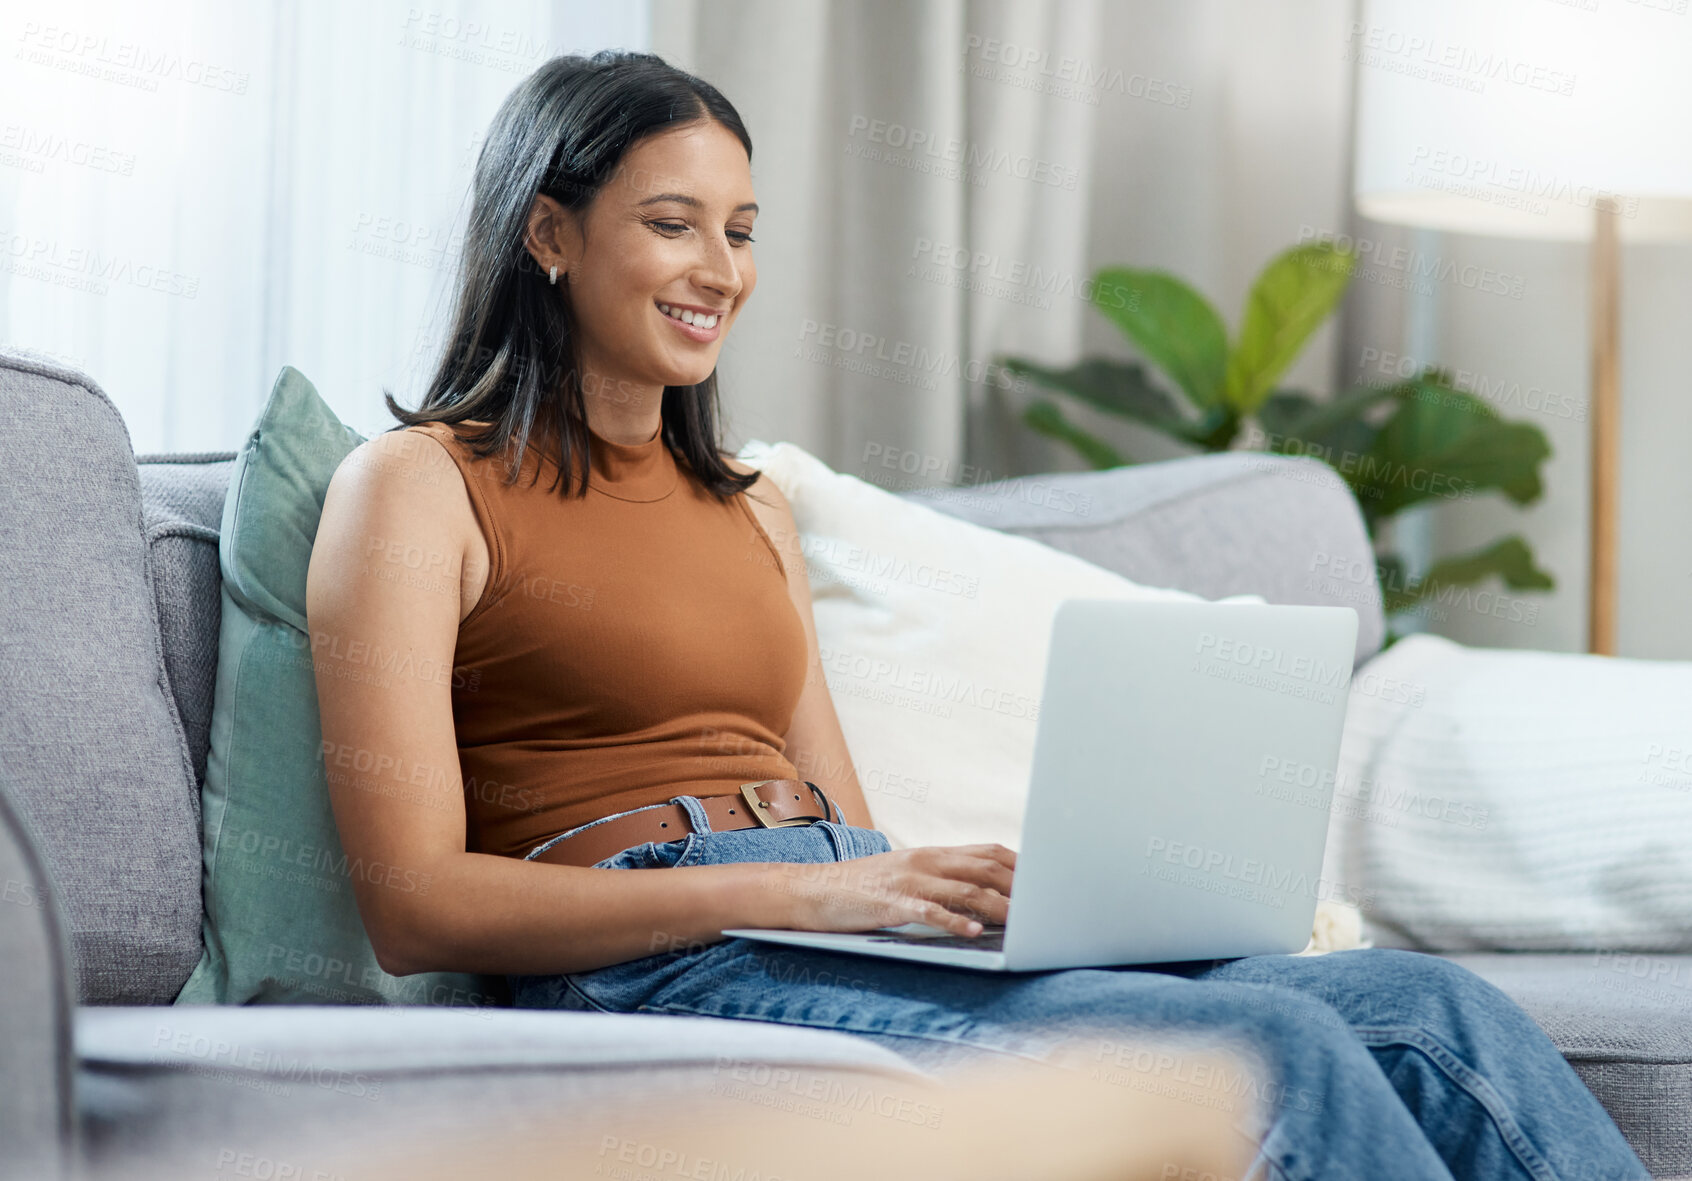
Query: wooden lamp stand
{"x":1606,"y":428}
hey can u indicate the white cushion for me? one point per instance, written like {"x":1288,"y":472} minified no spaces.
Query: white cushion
{"x":1517,"y":800}
{"x":933,"y":635}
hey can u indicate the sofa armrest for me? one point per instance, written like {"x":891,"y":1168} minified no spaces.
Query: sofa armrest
{"x":37,"y":1005}
{"x":1236,"y":522}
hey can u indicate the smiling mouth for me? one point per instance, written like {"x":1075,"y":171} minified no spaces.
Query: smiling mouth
{"x":695,"y":319}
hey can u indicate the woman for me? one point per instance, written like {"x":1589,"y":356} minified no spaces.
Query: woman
{"x":632,"y":642}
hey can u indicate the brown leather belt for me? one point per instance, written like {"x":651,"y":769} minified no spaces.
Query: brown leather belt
{"x":767,"y":803}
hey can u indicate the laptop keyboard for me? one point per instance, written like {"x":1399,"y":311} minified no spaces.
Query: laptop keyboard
{"x":992,"y":938}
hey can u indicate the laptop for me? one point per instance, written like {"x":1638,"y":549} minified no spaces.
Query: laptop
{"x":1178,"y":802}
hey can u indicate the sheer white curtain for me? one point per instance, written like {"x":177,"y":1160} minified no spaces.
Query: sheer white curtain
{"x":194,"y":194}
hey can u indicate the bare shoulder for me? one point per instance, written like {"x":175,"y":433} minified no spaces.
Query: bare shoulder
{"x":407,"y":466}
{"x":401,"y":488}
{"x":413,"y":451}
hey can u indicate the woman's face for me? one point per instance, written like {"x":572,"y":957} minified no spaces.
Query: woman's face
{"x":669,"y":230}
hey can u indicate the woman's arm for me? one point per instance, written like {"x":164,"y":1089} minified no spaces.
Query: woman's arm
{"x":380,"y":641}
{"x":815,"y":743}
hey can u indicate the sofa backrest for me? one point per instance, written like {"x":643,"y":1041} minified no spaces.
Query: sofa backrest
{"x":1236,"y":522}
{"x":181,"y":513}
{"x":93,"y":754}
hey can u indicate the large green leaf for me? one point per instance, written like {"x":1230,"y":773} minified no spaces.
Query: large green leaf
{"x":1116,"y":387}
{"x":1173,"y":325}
{"x":1446,"y":444}
{"x":1332,"y":430}
{"x":1044,"y":416}
{"x":1290,"y":299}
{"x":1509,"y":559}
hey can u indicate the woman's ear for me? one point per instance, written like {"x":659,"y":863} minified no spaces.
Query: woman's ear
{"x":550,"y":235}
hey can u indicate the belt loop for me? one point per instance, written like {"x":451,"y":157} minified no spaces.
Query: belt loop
{"x":695,"y":812}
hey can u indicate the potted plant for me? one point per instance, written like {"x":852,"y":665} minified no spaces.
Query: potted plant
{"x":1395,"y":445}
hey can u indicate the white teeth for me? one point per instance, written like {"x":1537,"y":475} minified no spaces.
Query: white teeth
{"x":687,"y":317}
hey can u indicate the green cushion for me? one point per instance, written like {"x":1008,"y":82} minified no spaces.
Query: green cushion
{"x":281,"y":922}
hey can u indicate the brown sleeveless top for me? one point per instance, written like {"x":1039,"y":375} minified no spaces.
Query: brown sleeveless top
{"x":631,"y":646}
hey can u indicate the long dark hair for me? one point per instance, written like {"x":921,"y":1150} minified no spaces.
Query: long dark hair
{"x":510,"y":358}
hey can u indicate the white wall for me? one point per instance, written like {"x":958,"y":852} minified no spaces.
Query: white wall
{"x":1541,"y":343}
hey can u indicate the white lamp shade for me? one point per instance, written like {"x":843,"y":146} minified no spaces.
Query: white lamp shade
{"x":1512,"y":117}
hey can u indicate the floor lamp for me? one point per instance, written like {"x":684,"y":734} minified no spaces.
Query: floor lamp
{"x":1518,"y":118}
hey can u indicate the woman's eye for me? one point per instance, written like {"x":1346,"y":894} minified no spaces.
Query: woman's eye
{"x":739,"y":237}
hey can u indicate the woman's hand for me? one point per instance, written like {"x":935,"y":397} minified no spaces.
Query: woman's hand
{"x":945,"y":886}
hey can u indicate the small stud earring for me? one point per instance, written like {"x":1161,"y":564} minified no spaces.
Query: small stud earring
{"x":555,"y":276}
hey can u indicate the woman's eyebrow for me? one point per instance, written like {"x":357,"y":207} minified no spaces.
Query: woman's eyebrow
{"x":684,"y":199}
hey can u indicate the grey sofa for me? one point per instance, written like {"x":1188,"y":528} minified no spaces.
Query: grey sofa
{"x":107,"y":655}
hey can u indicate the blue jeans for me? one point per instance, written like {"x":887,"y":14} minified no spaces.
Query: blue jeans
{"x":1384,"y":1063}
